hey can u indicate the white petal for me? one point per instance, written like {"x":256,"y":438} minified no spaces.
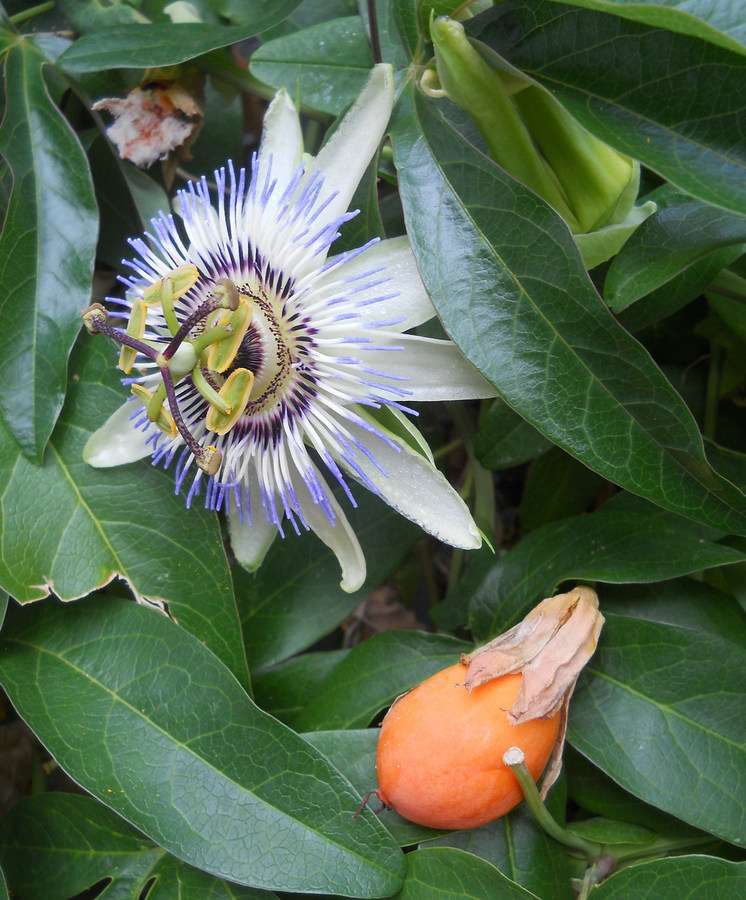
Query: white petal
{"x":250,"y":542}
{"x":282,"y":142}
{"x":346,"y":154}
{"x":434,"y":369}
{"x":402,"y":293}
{"x":416,"y":489}
{"x":117,"y":441}
{"x":339,"y":537}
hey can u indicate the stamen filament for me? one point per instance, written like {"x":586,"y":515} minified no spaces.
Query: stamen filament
{"x":209,"y":392}
{"x":221,"y":298}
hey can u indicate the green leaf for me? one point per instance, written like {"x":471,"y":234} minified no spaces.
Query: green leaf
{"x":3,"y":606}
{"x":505,"y":439}
{"x":151,"y":723}
{"x":353,"y":753}
{"x":594,"y":792}
{"x":670,"y":100}
{"x":47,"y":250}
{"x":325,"y":66}
{"x":57,"y":845}
{"x":284,"y":689}
{"x":683,"y":602}
{"x":69,"y":529}
{"x":679,"y":234}
{"x":450,"y":874}
{"x":148,"y":46}
{"x":678,"y":878}
{"x":373,"y":674}
{"x":680,"y":290}
{"x":719,"y":23}
{"x":87,"y":15}
{"x":520,"y":849}
{"x":627,"y":540}
{"x":257,"y":15}
{"x":659,"y":709}
{"x":557,"y":486}
{"x":286,"y":608}
{"x":526,"y":314}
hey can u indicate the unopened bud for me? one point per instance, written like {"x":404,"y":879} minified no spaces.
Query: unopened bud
{"x":536,"y":140}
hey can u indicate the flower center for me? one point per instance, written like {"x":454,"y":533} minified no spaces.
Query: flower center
{"x":275,"y":349}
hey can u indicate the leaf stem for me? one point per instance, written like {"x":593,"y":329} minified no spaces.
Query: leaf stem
{"x":375,"y":43}
{"x":712,"y":400}
{"x":20,"y":17}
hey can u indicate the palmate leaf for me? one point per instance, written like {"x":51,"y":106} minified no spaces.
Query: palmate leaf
{"x":670,"y":100}
{"x":69,"y":529}
{"x":47,"y":249}
{"x":510,"y":287}
{"x":152,"y":724}
{"x":659,"y":708}
{"x":82,"y":842}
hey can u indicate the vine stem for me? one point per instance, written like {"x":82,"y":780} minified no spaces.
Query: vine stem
{"x":515,"y":760}
{"x":20,"y":17}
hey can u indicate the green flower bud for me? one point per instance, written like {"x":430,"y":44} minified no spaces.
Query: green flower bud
{"x":535,"y":139}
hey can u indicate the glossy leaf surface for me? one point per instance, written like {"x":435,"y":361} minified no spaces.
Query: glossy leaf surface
{"x":211,"y":778}
{"x":682,"y":878}
{"x":327,"y":64}
{"x":530,"y":321}
{"x":136,"y":47}
{"x":681,"y":233}
{"x":659,"y":709}
{"x":70,"y":529}
{"x":625,"y":541}
{"x":719,"y":23}
{"x":374,"y":674}
{"x":47,"y":248}
{"x":453,"y":874}
{"x":295,"y":598}
{"x":83,"y":842}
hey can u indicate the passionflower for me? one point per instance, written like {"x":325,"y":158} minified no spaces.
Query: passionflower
{"x":268,"y":369}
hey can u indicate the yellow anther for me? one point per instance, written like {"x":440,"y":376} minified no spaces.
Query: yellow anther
{"x":210,"y":460}
{"x":228,"y":293}
{"x":181,"y":280}
{"x":235,"y":391}
{"x":135,"y":329}
{"x":222,"y":354}
{"x":92,"y":313}
{"x":155,"y":410}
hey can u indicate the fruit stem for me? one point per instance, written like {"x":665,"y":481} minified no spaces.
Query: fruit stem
{"x":515,"y":760}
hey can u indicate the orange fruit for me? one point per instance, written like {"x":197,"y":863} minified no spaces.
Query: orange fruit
{"x":440,"y":750}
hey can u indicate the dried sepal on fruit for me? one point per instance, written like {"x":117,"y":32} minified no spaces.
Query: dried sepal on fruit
{"x":549,"y":648}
